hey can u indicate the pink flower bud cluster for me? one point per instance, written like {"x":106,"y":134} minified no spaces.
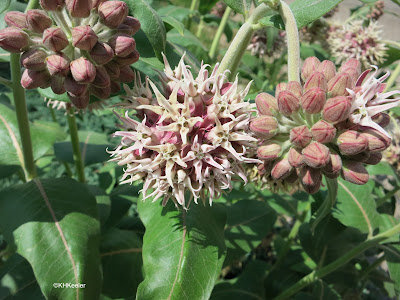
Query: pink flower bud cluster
{"x":354,"y":40}
{"x":330,"y":125}
{"x":190,"y":140}
{"x":82,"y":47}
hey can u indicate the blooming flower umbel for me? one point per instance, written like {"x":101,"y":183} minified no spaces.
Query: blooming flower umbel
{"x":81,"y":47}
{"x":331,"y":125}
{"x":188,"y":141}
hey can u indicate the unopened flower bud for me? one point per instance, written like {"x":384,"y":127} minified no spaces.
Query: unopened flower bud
{"x":354,"y":172}
{"x":361,"y":157}
{"x":96,"y":3}
{"x":337,"y":85}
{"x":334,"y":166}
{"x":127,"y":60}
{"x":296,"y":159}
{"x":352,"y":142}
{"x":14,"y":39}
{"x":310,"y":65}
{"x":126,"y":74}
{"x":51,"y":5}
{"x":55,"y":39}
{"x":316,"y":80}
{"x":313,"y":100}
{"x":288,"y":103}
{"x":115,"y":87}
{"x":79,"y":8}
{"x":336,"y":109}
{"x":295,"y":88}
{"x":122,"y":44}
{"x":37,"y":20}
{"x":316,"y":155}
{"x":129,"y":26}
{"x":281,"y":169}
{"x":31,"y":79}
{"x":280,"y":88}
{"x":113,"y":13}
{"x":266,"y":104}
{"x":323,"y":132}
{"x":101,"y":93}
{"x":292,"y":177}
{"x":374,"y":159}
{"x":102,"y":78}
{"x":351,"y":63}
{"x":34,"y":59}
{"x":310,"y":179}
{"x":102,"y":53}
{"x":80,"y":102}
{"x":269,"y":152}
{"x":58,"y":64}
{"x":83,"y":37}
{"x":300,"y":136}
{"x":57,"y":85}
{"x":74,"y":88}
{"x":113,"y":69}
{"x":377,"y":141}
{"x":16,"y":18}
{"x":264,"y":126}
{"x":353,"y":75}
{"x":83,"y":71}
{"x":328,"y":69}
{"x":382,"y":119}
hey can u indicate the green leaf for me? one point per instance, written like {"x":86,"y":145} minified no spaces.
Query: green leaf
{"x":151,"y":24}
{"x":206,"y":6}
{"x":53,"y":224}
{"x":305,"y":12}
{"x":248,"y":222}
{"x":43,"y":134}
{"x":121,"y":250}
{"x":183,"y":251}
{"x":356,"y":207}
{"x":174,"y":54}
{"x":240,"y":6}
{"x":249,"y":285}
{"x":179,"y":13}
{"x":174,"y":23}
{"x":186,"y":40}
{"x":392,"y":254}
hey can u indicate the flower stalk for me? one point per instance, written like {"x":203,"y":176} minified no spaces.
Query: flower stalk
{"x":22,"y":117}
{"x":73,"y":131}
{"x":333,"y":266}
{"x":221,"y":28}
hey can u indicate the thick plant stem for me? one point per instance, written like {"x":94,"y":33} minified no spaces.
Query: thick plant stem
{"x":22,"y":117}
{"x":341,"y":261}
{"x":221,"y":28}
{"x":73,"y":131}
{"x":242,"y":39}
{"x":293,"y":44}
{"x":32,"y":4}
{"x":392,"y":79}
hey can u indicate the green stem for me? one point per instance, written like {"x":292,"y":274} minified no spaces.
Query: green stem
{"x":371,"y":267}
{"x":293,"y":44}
{"x":341,"y":261}
{"x":200,"y":27}
{"x":242,"y":39}
{"x":22,"y":117}
{"x":193,"y":7}
{"x":387,"y":196}
{"x":221,"y":28}
{"x":32,"y":4}
{"x":6,"y":82}
{"x":73,"y":131}
{"x":392,"y":79}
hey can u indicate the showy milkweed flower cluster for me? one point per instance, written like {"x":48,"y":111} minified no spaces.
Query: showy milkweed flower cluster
{"x":331,"y":125}
{"x":82,"y":47}
{"x":189,"y":139}
{"x":354,"y":40}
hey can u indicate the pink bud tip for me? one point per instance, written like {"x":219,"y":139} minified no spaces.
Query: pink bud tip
{"x":281,"y":169}
{"x":122,"y":44}
{"x":16,"y":18}
{"x":14,"y":40}
{"x":310,"y":179}
{"x":79,"y":8}
{"x":316,"y":155}
{"x":323,"y":132}
{"x":355,"y":172}
{"x":83,"y":71}
{"x":313,"y":100}
{"x":58,"y":64}
{"x":51,"y":5}
{"x":129,"y":26}
{"x":295,"y":88}
{"x":102,"y":53}
{"x":377,"y":141}
{"x":265,"y":126}
{"x":288,"y":103}
{"x":334,"y":166}
{"x":337,"y":85}
{"x":336,"y":109}
{"x":31,"y":79}
{"x":269,"y":152}
{"x":37,"y":20}
{"x":310,"y":65}
{"x":352,"y":142}
{"x":295,"y":157}
{"x":55,"y":39}
{"x":83,"y":37}
{"x":316,"y":80}
{"x":328,"y":69}
{"x":266,"y":104}
{"x":34,"y":59}
{"x":351,"y":63}
{"x":280,"y":87}
{"x":113,"y":13}
{"x":126,"y":74}
{"x":300,"y":136}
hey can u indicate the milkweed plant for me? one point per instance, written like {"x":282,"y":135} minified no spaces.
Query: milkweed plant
{"x":199,"y":150}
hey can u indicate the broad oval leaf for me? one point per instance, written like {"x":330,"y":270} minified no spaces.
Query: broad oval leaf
{"x":305,"y":12}
{"x":239,"y":6}
{"x":55,"y":227}
{"x":356,"y":207}
{"x":183,"y":251}
{"x":151,"y":24}
{"x":174,"y":23}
